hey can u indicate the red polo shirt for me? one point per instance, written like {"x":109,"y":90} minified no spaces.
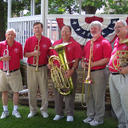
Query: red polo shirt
{"x":117,"y":47}
{"x":44,"y":45}
{"x":73,"y":51}
{"x":101,"y":49}
{"x":15,"y":52}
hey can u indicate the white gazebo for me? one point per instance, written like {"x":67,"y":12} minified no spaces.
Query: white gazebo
{"x":23,"y":25}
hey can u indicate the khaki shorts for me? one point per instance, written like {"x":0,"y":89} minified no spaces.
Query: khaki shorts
{"x":13,"y":81}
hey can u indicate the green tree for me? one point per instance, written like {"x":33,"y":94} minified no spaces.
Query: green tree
{"x":62,"y":6}
{"x":90,"y":6}
{"x":16,"y":7}
{"x":117,"y":7}
{"x":3,"y":19}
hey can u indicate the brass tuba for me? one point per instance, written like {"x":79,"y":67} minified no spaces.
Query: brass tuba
{"x":62,"y":84}
{"x":121,"y":56}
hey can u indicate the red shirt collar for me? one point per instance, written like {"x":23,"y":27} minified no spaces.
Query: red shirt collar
{"x":70,"y":40}
{"x":7,"y":43}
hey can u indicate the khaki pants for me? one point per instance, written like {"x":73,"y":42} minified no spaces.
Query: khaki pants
{"x":13,"y":81}
{"x":69,"y":100}
{"x":37,"y":80}
{"x":95,"y":96}
{"x":119,"y":98}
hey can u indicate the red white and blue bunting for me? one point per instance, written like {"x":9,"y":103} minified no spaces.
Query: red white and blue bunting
{"x":80,"y":27}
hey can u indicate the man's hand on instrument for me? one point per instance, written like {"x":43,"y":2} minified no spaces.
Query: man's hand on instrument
{"x":123,"y":70}
{"x":69,"y":73}
{"x":84,"y":65}
{"x":49,"y":66}
{"x":5,"y":58}
{"x":36,"y":53}
{"x":92,"y":64}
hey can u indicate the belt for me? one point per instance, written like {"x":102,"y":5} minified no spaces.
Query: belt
{"x":115,"y":73}
{"x":93,"y":70}
{"x":38,"y":65}
{"x":11,"y":70}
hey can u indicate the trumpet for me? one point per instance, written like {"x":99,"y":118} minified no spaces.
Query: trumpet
{"x":88,"y":78}
{"x":6,"y":63}
{"x":36,"y":58}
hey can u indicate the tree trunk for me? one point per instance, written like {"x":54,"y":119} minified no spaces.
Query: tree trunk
{"x":2,"y":20}
{"x":90,"y":9}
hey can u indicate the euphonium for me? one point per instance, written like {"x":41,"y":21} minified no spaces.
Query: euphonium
{"x":36,"y":58}
{"x":121,"y":56}
{"x":88,"y":78}
{"x":6,"y":63}
{"x":62,"y":84}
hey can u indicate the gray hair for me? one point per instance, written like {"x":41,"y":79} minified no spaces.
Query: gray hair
{"x":123,"y":22}
{"x":10,"y":29}
{"x":96,"y":23}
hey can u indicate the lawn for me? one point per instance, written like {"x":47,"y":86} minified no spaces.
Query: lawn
{"x":39,"y":122}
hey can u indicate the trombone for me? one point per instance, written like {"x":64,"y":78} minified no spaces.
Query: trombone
{"x":88,"y":80}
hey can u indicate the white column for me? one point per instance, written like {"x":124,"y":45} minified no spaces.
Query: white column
{"x":80,"y":6}
{"x":32,"y":7}
{"x":44,"y":13}
{"x":9,"y":10}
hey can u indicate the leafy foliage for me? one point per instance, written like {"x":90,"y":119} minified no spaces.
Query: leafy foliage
{"x":62,"y":6}
{"x":117,"y":7}
{"x":90,"y":6}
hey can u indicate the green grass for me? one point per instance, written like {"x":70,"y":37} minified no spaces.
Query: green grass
{"x":39,"y":122}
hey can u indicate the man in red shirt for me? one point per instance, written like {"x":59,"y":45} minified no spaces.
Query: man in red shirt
{"x":37,"y":50}
{"x":73,"y":54}
{"x":10,"y":76}
{"x":100,"y":54}
{"x":118,"y":82}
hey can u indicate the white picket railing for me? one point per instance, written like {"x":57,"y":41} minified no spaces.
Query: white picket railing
{"x":24,"y":25}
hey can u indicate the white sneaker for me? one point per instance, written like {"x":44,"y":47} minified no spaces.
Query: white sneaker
{"x":16,"y":114}
{"x":70,"y":119}
{"x":44,"y":114}
{"x":58,"y":117}
{"x":95,"y":123}
{"x":4,"y":114}
{"x":87,"y":120}
{"x":31,"y":114}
